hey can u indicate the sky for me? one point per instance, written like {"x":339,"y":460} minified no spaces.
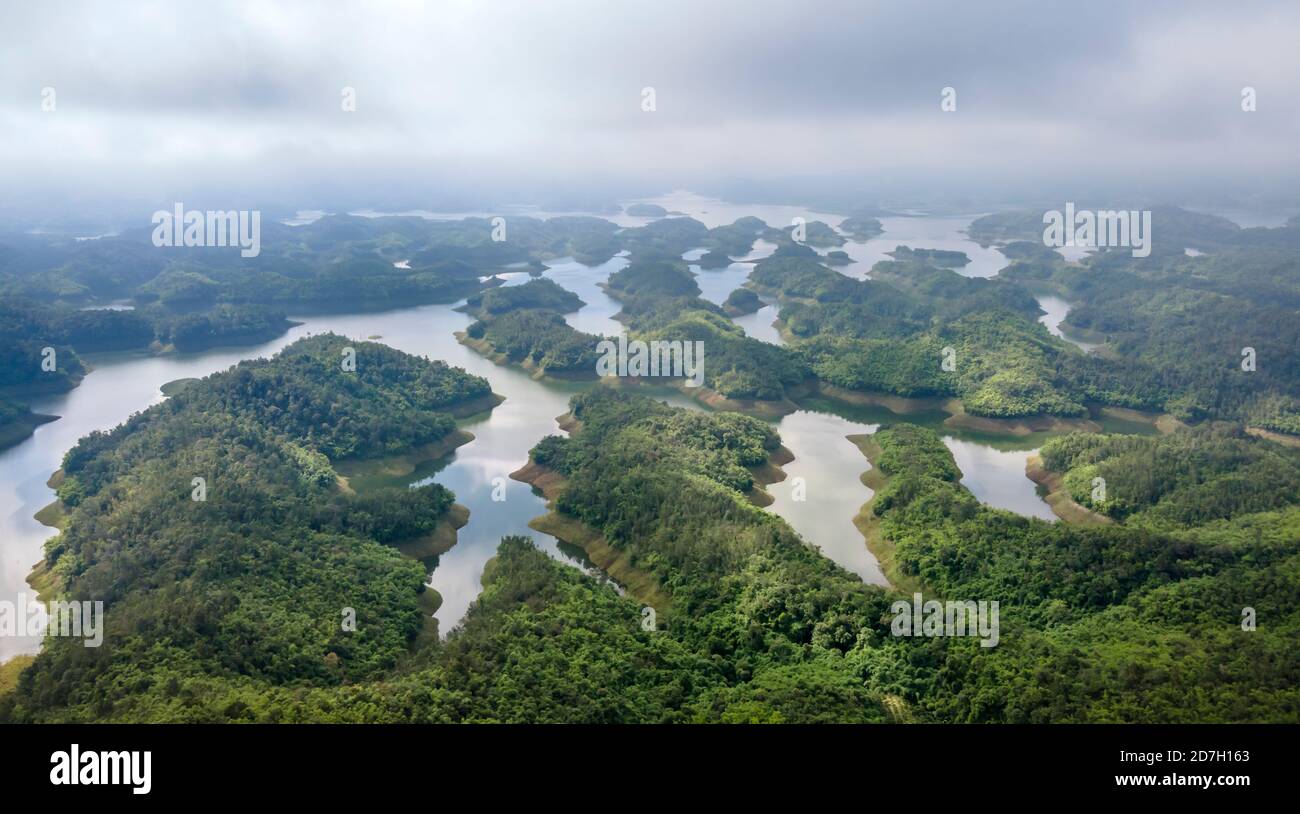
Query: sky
{"x":529,"y":99}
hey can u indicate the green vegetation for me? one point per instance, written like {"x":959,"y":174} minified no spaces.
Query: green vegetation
{"x":666,"y":486}
{"x":1188,"y":478}
{"x":816,"y":234}
{"x":935,"y":257}
{"x":912,"y":451}
{"x":1177,"y":228}
{"x":222,"y":325}
{"x":646,"y":210}
{"x":239,"y":621}
{"x":245,"y":588}
{"x":101,"y":329}
{"x":667,"y":238}
{"x":661,"y":301}
{"x":154,"y":325}
{"x":900,"y":368}
{"x":663,"y":279}
{"x":539,"y":340}
{"x":18,"y":422}
{"x":228,"y":610}
{"x":714,"y":259}
{"x":861,"y":227}
{"x":30,"y":367}
{"x":9,"y":672}
{"x":734,"y":240}
{"x":175,"y":386}
{"x":390,"y":402}
{"x":1103,"y":623}
{"x":1178,"y":327}
{"x":889,"y":334}
{"x":539,"y":293}
{"x":195,"y":298}
{"x":741,"y":301}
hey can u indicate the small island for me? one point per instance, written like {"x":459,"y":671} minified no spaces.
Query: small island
{"x":942,"y":258}
{"x":646,"y":210}
{"x":815,"y":233}
{"x":741,"y":301}
{"x":714,"y":259}
{"x":861,"y":228}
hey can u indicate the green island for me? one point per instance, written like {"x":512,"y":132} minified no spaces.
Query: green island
{"x":935,"y":257}
{"x":646,"y":210}
{"x":862,"y":227}
{"x":740,"y":302}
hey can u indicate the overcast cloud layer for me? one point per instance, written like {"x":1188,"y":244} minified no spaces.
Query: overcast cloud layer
{"x":157,"y":99}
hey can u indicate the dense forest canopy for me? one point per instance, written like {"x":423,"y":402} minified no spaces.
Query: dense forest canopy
{"x":246,"y":585}
{"x":1181,"y":324}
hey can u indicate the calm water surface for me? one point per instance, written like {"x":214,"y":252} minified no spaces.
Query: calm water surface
{"x":1057,"y":309}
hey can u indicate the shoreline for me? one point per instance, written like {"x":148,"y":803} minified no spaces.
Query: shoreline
{"x":439,"y":541}
{"x":870,"y":526}
{"x":400,"y":464}
{"x":958,"y":418}
{"x":41,"y":578}
{"x":22,"y":428}
{"x":1058,"y":497}
{"x":766,"y":474}
{"x":704,"y":395}
{"x":640,"y":585}
{"x":1275,"y":437}
{"x":485,"y":348}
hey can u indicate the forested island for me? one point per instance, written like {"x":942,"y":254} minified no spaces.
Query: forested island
{"x":646,"y":210}
{"x":861,"y":227}
{"x":935,"y":257}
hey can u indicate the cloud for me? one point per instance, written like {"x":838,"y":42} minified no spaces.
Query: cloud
{"x":168,"y":94}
